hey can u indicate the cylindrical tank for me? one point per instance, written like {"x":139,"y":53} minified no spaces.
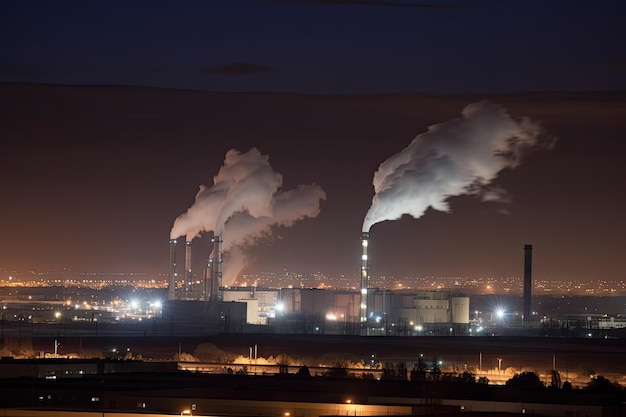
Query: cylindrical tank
{"x":432,"y":311}
{"x":460,"y":309}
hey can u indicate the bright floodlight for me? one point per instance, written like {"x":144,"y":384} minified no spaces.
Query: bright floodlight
{"x":156,"y":304}
{"x":499,"y":313}
{"x":134,"y":304}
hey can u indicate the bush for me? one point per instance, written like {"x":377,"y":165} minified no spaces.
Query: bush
{"x":602,"y":384}
{"x":525,"y":380}
{"x":304,"y":372}
{"x":208,"y":352}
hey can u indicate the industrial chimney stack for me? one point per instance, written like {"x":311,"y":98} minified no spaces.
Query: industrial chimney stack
{"x":365,"y":275}
{"x":216,"y":272}
{"x":188,"y":272}
{"x":171,"y":289}
{"x":528,"y":266}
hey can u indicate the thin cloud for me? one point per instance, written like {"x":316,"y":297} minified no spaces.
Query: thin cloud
{"x":239,"y":69}
{"x":376,"y":3}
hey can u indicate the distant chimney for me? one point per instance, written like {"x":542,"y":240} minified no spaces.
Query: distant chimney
{"x":216,"y":270}
{"x":171,"y":288}
{"x":365,"y":274}
{"x":528,"y":266}
{"x":188,"y":272}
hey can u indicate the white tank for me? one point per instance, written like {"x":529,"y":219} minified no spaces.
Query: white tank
{"x":460,"y":310}
{"x":432,"y":311}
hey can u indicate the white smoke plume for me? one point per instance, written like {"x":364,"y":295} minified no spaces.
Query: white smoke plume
{"x":243,"y":205}
{"x":457,"y":157}
{"x":245,"y":183}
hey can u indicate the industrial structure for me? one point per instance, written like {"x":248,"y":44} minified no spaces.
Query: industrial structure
{"x":190,"y":288}
{"x":365,"y":275}
{"x":358,"y":311}
{"x":528,"y":262}
{"x":363,"y":312}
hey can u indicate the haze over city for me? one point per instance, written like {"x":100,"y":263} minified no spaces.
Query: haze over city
{"x":114,"y":116}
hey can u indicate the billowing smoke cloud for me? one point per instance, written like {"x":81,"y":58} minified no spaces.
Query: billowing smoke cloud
{"x":245,"y":183}
{"x":244,"y":230}
{"x":457,"y":157}
{"x":243,"y":205}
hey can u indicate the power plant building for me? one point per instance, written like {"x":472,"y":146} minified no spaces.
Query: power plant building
{"x":388,"y":309}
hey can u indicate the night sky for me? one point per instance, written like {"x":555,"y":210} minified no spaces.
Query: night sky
{"x":113,"y":114}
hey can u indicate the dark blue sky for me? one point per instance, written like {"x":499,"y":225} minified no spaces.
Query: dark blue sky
{"x":93,"y":177}
{"x":318,"y":46}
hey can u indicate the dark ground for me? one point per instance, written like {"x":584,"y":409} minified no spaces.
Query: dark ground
{"x":602,"y":356}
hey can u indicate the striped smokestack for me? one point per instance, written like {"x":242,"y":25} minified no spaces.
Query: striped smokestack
{"x":365,"y":275}
{"x":171,"y":288}
{"x":216,"y":270}
{"x":188,"y":273}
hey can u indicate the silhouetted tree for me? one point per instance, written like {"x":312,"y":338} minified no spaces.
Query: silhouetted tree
{"x":401,"y":371}
{"x":602,"y":384}
{"x":435,"y":370}
{"x":208,"y":352}
{"x":185,"y":357}
{"x":304,"y":372}
{"x":483,"y":380}
{"x":567,"y":386}
{"x":418,"y":373}
{"x":468,"y":377}
{"x":555,"y":381}
{"x":526,"y":380}
{"x":388,"y":371}
{"x":338,"y":371}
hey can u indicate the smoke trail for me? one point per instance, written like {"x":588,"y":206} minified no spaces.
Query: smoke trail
{"x":246,"y":182}
{"x":244,"y":230}
{"x":243,"y":205}
{"x":460,"y":156}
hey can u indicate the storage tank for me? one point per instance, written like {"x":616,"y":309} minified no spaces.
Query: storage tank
{"x":432,"y":311}
{"x":460,"y":310}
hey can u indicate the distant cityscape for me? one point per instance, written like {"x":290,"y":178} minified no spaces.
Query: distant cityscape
{"x":289,"y":279}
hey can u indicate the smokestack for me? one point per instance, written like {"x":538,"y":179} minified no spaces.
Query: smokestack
{"x":365,"y":275}
{"x":216,"y":272}
{"x":188,"y":275}
{"x":528,"y":265}
{"x":171,"y":290}
{"x":206,"y":296}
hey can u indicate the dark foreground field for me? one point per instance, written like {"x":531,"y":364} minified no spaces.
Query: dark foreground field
{"x":571,"y":357}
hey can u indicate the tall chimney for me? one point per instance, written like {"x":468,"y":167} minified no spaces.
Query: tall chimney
{"x":216,"y":273}
{"x":188,"y":275}
{"x":206,"y":296}
{"x":365,"y":275}
{"x":528,"y":266}
{"x":171,"y":289}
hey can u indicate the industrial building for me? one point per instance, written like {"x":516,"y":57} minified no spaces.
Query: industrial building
{"x":368,"y":311}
